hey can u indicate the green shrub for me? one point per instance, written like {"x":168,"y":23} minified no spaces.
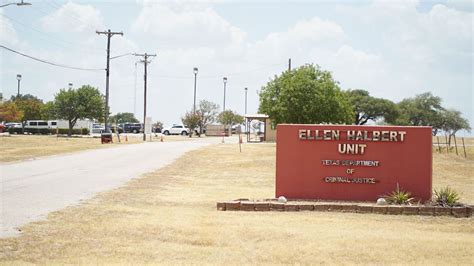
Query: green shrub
{"x":75,"y":131}
{"x":42,"y":131}
{"x":446,"y":197}
{"x":15,"y":130}
{"x":398,"y":197}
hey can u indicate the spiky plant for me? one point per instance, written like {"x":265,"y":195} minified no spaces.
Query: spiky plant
{"x":398,"y":197}
{"x":446,"y":197}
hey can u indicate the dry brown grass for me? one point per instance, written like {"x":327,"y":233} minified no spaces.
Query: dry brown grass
{"x":468,"y":146}
{"x":22,"y":147}
{"x":455,"y":171}
{"x":169,"y":217}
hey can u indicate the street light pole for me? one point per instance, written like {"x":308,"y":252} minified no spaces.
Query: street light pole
{"x":225,"y":82}
{"x":246,"y":89}
{"x":70,"y":85}
{"x":18,"y":77}
{"x":195,"y":77}
{"x":18,"y":4}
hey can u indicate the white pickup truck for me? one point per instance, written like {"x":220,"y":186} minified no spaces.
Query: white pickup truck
{"x":175,"y":130}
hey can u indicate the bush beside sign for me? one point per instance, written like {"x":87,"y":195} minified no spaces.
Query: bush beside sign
{"x":334,"y":162}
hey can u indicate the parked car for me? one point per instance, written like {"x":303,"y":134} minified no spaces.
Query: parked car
{"x":12,"y":125}
{"x":130,"y":128}
{"x":97,"y":128}
{"x":175,"y":130}
{"x":236,"y":129}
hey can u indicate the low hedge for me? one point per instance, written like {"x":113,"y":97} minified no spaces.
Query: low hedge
{"x":75,"y":131}
{"x":48,"y":131}
{"x":14,"y":130}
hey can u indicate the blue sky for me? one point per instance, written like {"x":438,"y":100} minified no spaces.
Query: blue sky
{"x":393,"y":49}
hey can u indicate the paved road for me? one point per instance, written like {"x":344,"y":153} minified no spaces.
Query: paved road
{"x":32,"y":189}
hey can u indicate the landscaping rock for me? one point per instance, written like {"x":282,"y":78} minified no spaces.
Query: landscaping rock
{"x":221,"y":206}
{"x":247,"y":206}
{"x":379,"y":209}
{"x":306,"y":207}
{"x":262,"y":206}
{"x":394,"y":209}
{"x":382,"y":202}
{"x":335,"y":208}
{"x":459,"y":212}
{"x":282,"y":199}
{"x":275,"y":206}
{"x":321,"y":207}
{"x":364,"y":209}
{"x":410,"y":210}
{"x":232,"y":206}
{"x":427,"y":210}
{"x":349,"y":208}
{"x":442,"y":211}
{"x":291,"y":207}
{"x":468,"y":211}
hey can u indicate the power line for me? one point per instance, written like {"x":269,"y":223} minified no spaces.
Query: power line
{"x":57,"y":6}
{"x":90,"y":27}
{"x":219,"y":76}
{"x":50,"y":38}
{"x":49,"y":63}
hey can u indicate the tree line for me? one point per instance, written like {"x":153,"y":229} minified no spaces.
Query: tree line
{"x":70,"y":104}
{"x":310,"y":95}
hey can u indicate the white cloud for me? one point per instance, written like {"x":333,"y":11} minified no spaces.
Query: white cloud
{"x":298,"y":40}
{"x":8,"y":35}
{"x":186,"y":25}
{"x":75,"y":17}
{"x":463,"y":5}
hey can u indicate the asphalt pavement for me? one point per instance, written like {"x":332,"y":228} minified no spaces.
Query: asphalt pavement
{"x":32,"y":189}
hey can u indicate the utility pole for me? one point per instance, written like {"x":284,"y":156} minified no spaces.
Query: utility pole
{"x":135,"y":92}
{"x":107,"y":73}
{"x":289,"y":64}
{"x":145,"y":63}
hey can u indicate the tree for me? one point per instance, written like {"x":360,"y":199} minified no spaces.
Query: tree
{"x":30,"y":105}
{"x":158,"y":124}
{"x":120,"y":118}
{"x":24,"y":97}
{"x":75,"y":104}
{"x":47,"y":111}
{"x":422,"y":110}
{"x":367,"y":108}
{"x":452,"y":122}
{"x":229,"y":117}
{"x":305,"y":95}
{"x":191,"y":121}
{"x":9,"y":112}
{"x":207,"y":112}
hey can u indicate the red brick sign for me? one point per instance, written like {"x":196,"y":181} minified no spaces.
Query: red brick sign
{"x":352,"y":162}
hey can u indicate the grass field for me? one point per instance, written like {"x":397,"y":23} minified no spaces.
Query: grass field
{"x":169,"y":217}
{"x":23,"y":147}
